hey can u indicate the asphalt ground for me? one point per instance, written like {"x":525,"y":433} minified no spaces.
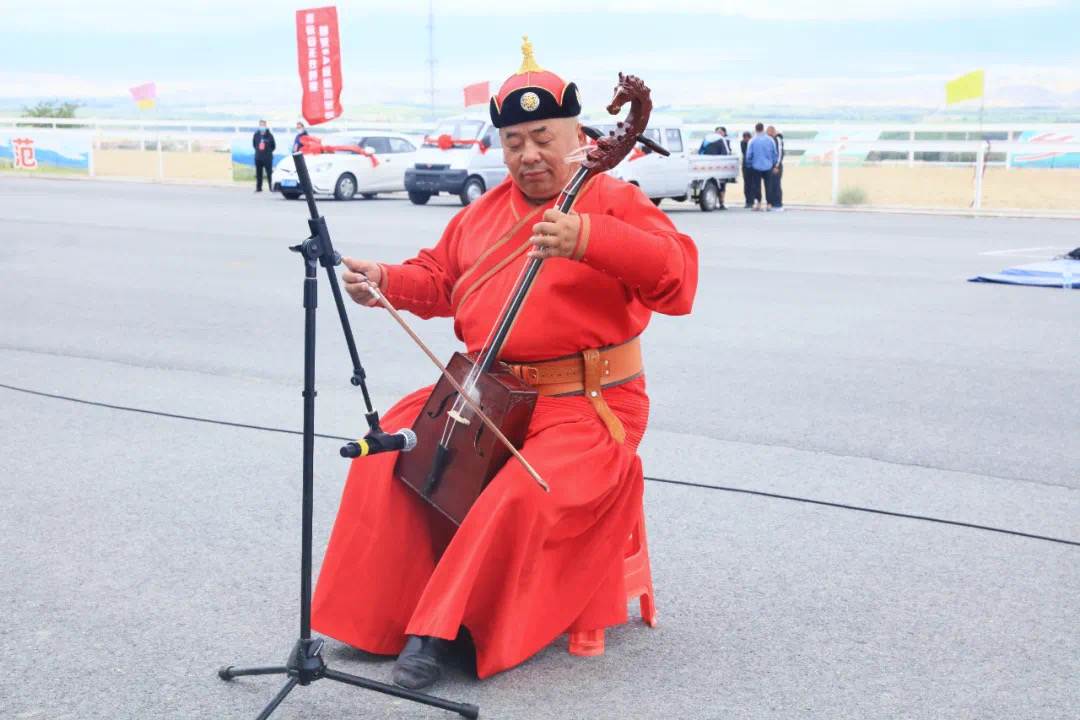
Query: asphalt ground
{"x":838,"y":358}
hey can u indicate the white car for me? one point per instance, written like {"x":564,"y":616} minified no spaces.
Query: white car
{"x":344,"y":171}
{"x":462,"y":157}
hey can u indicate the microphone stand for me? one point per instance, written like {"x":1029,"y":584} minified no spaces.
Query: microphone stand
{"x":305,"y":663}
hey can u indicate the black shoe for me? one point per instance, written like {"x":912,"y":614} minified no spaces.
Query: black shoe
{"x":420,"y":663}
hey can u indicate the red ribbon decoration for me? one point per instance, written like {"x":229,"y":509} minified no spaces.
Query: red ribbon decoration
{"x":445,"y":142}
{"x":310,"y":145}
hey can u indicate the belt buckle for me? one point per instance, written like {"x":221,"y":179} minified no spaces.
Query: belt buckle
{"x":530,"y":374}
{"x":527,"y":373}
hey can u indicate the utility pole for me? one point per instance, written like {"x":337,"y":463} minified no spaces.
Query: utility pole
{"x":431,"y":53}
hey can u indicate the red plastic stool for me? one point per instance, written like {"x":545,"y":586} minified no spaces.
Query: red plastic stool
{"x":638,"y":585}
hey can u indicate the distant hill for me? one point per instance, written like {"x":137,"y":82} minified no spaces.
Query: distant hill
{"x":1014,"y":104}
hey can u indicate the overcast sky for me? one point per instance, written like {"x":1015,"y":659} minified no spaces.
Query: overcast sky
{"x":798,"y":51}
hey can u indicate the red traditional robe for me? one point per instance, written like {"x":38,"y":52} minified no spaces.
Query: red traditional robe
{"x":525,"y":565}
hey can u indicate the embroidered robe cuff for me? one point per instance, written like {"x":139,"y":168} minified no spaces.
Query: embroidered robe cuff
{"x":631,"y":255}
{"x":409,"y":288}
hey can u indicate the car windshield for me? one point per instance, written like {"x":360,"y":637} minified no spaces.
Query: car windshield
{"x":456,"y":129}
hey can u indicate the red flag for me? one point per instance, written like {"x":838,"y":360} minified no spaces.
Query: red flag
{"x":319,"y":56}
{"x":476,"y":94}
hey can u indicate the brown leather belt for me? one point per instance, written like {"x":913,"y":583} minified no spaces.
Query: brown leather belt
{"x":587,"y":373}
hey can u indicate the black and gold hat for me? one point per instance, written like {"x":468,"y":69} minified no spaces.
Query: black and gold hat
{"x":533,"y":93}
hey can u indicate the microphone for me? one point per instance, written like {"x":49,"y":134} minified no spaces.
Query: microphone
{"x":380,"y":442}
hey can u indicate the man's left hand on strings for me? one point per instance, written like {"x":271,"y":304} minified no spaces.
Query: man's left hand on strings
{"x":555,"y":236}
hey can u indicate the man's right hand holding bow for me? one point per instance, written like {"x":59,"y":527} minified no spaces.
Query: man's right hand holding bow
{"x":357,"y":279}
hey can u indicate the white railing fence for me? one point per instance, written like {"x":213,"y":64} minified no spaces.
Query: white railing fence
{"x":843,"y":140}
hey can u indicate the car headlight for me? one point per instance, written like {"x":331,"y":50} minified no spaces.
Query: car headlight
{"x":322,"y":167}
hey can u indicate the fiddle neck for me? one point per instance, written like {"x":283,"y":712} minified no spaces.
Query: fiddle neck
{"x":565,"y":202}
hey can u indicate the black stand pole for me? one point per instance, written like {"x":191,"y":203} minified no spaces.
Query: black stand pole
{"x":305,"y":663}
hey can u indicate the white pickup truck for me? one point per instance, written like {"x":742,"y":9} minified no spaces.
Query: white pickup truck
{"x":683,"y":175}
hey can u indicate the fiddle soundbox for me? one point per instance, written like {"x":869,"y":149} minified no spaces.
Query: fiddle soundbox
{"x":450,"y":474}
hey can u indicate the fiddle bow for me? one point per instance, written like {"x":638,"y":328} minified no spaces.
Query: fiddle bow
{"x":478,"y":382}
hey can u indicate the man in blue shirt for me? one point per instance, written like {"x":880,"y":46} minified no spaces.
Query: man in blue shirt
{"x":761,"y":156}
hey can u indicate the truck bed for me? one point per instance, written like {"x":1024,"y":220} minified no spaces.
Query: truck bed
{"x":720,"y":167}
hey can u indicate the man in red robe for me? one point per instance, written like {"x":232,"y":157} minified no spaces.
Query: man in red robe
{"x":525,"y":565}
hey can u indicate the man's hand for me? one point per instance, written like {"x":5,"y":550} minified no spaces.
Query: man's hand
{"x":357,"y":277}
{"x":556,"y":235}
{"x":776,"y":171}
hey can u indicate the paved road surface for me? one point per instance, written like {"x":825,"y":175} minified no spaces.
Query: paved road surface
{"x":831,"y":356}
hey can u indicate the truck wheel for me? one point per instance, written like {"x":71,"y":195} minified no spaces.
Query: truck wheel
{"x":709,"y":199}
{"x":345,"y":188}
{"x":419,"y":198}
{"x":474,"y":188}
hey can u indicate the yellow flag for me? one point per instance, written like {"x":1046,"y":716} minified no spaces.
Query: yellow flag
{"x":965,"y":87}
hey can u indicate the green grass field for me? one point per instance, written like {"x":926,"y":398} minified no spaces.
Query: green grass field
{"x":43,"y":167}
{"x":243,"y":173}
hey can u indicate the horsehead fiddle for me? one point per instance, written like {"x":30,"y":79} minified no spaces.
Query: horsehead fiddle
{"x":454,"y":459}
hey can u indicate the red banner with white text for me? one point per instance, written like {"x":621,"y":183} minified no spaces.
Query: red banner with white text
{"x":319,"y":55}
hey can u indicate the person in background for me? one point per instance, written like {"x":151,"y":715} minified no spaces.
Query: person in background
{"x":710,"y":144}
{"x":717,"y":143}
{"x":775,"y":198}
{"x":727,"y":142}
{"x":761,"y":154}
{"x":750,"y":192}
{"x":301,"y":131}
{"x":264,"y":145}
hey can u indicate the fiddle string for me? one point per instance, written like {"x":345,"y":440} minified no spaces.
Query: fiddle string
{"x":502,"y":311}
{"x":469,"y":385}
{"x":578,"y":154}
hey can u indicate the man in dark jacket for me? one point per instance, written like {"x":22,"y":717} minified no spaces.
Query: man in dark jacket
{"x":751,"y":190}
{"x":717,"y":143}
{"x":264,"y":145}
{"x":773,"y":189}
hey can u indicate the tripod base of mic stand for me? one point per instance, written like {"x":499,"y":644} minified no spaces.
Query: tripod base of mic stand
{"x":306,"y":664}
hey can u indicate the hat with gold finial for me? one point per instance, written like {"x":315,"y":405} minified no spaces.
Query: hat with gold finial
{"x":533,"y":93}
